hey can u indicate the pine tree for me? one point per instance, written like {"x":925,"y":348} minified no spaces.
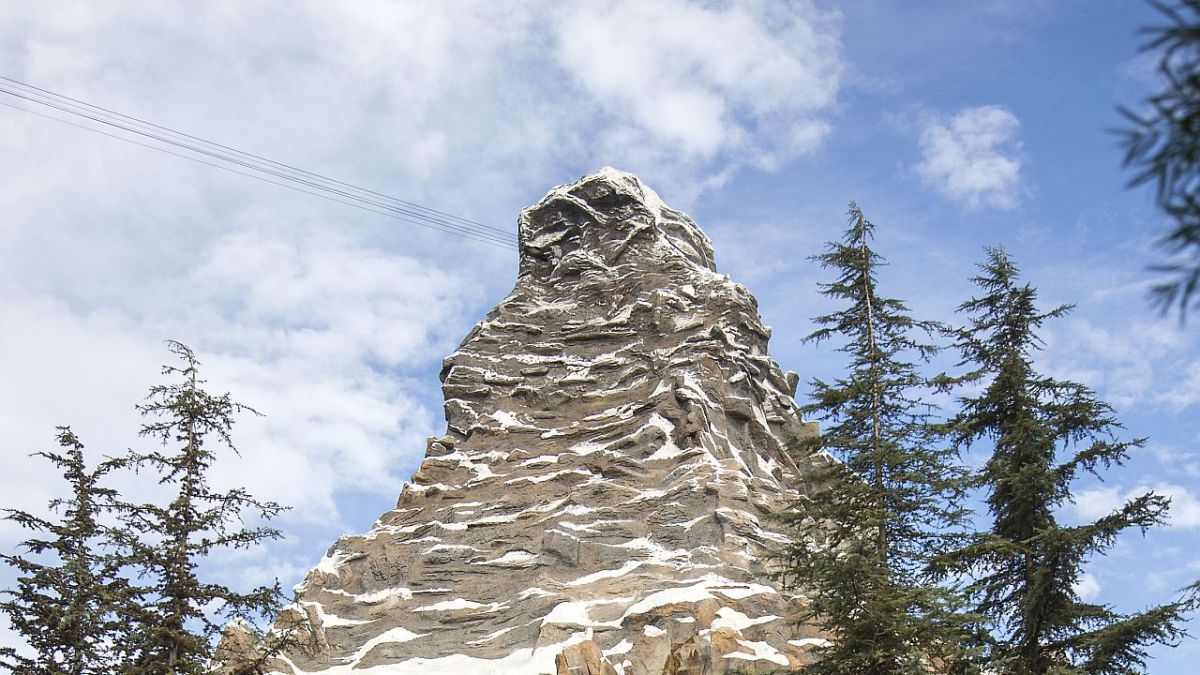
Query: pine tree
{"x":174,"y":630}
{"x":1043,"y":433}
{"x":862,"y":538}
{"x":1163,"y":148}
{"x":69,"y":594}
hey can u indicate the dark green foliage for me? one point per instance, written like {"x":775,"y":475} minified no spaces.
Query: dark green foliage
{"x":1043,"y":433}
{"x":122,"y":593}
{"x":862,"y":539}
{"x":1163,"y":148}
{"x":69,"y":593}
{"x":173,"y":630}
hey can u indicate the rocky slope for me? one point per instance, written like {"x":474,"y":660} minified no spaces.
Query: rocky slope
{"x":615,"y":442}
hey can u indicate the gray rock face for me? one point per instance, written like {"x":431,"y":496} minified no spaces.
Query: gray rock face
{"x":598,"y":503}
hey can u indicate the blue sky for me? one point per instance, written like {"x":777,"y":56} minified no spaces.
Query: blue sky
{"x":954,"y":125}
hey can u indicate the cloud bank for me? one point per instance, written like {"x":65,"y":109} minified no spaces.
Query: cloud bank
{"x":972,"y":157}
{"x":328,"y":320}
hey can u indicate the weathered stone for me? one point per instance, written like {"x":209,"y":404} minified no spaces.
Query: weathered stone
{"x":583,"y":659}
{"x":238,"y":647}
{"x":599,"y":504}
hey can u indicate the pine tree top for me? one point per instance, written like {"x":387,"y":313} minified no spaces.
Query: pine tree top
{"x":862,"y":539}
{"x":1042,"y":432}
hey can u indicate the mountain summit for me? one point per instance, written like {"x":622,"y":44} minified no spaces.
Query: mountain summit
{"x":615,"y":443}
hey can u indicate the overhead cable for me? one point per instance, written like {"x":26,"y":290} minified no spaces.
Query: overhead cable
{"x":247,"y":164}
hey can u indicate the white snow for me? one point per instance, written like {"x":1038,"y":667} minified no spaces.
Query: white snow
{"x":511,"y":558}
{"x":413,"y":487}
{"x":335,"y":621}
{"x":628,"y":567}
{"x":623,"y":412}
{"x":548,"y":476}
{"x":663,"y":387}
{"x":668,"y":449}
{"x":541,"y":459}
{"x":325,"y":619}
{"x":693,"y":384}
{"x":706,"y":587}
{"x":508,"y":420}
{"x":331,"y":563}
{"x":546,"y":507}
{"x":653,"y":493}
{"x":481,"y":470}
{"x":491,"y":636}
{"x":449,"y":547}
{"x":575,"y":612}
{"x":582,"y":376}
{"x":520,"y":662}
{"x":591,"y":527}
{"x":459,"y":603}
{"x":621,"y":647}
{"x":810,"y":642}
{"x":727,"y":617}
{"x":762,"y":652}
{"x":374,"y":597}
{"x":397,"y":634}
{"x":654,"y":551}
{"x":587,"y":447}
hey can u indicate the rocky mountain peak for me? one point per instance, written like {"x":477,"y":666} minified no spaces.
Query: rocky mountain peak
{"x":600,"y":502}
{"x":605,"y":223}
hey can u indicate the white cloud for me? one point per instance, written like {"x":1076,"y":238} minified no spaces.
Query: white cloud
{"x":1185,"y":462}
{"x":1182,"y":390}
{"x":308,"y":329}
{"x":1087,"y":587}
{"x":972,"y":157}
{"x":482,"y":96}
{"x":331,"y":321}
{"x":1185,"y":507}
{"x":1140,"y":361}
{"x":746,"y":80}
{"x":1098,"y":502}
{"x":325,"y":318}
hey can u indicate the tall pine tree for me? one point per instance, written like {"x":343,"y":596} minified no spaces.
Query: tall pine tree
{"x":862,"y":538}
{"x":174,"y":630}
{"x":1043,"y":433}
{"x":69,"y":593}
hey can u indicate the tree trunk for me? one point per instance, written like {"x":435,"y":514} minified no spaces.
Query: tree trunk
{"x":881,"y":538}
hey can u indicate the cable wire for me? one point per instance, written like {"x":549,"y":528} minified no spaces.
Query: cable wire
{"x":293,"y":178}
{"x":244,"y":154}
{"x":406,"y":209}
{"x":240,"y":173}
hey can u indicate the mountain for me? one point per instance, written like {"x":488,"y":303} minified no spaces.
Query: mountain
{"x":615,"y":445}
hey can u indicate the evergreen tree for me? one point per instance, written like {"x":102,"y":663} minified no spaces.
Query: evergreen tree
{"x":173,"y":630}
{"x":1163,"y":148}
{"x":69,"y":594}
{"x":1043,"y":433}
{"x":862,"y":538}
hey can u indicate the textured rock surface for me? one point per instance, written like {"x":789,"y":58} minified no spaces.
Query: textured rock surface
{"x":596,"y":506}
